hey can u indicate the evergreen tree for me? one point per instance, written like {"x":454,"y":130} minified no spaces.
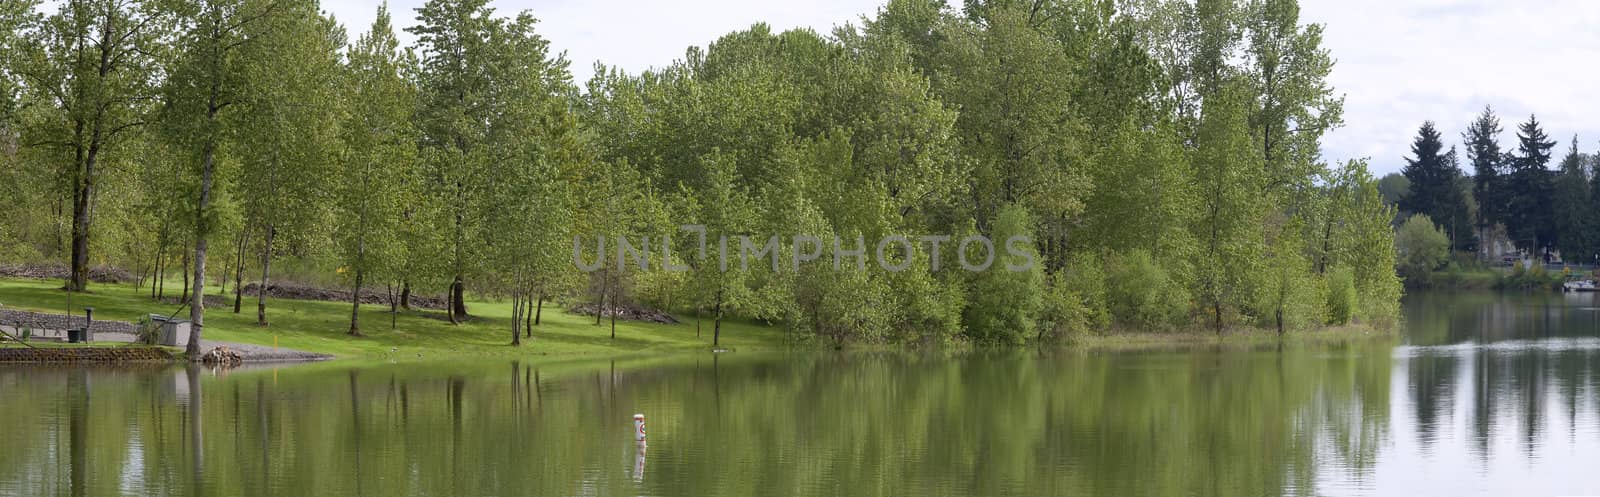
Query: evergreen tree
{"x":1433,"y":189}
{"x":1573,"y":222}
{"x":1528,"y":189}
{"x":1482,"y":140}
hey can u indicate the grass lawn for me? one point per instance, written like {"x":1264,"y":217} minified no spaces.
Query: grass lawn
{"x":320,"y":326}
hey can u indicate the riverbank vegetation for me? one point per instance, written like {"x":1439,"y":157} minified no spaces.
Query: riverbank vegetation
{"x":1163,"y":157}
{"x":1426,"y":262}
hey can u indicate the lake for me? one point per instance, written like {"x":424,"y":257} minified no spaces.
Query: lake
{"x":1483,"y":394}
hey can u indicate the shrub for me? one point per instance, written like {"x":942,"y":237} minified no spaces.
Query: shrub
{"x":1085,"y":280}
{"x":1422,"y":249}
{"x":1341,"y":296}
{"x":1140,"y":294}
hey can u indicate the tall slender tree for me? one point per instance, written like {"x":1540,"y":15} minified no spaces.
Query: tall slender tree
{"x":379,"y":159}
{"x":293,"y":119}
{"x":453,"y":37}
{"x":202,"y":88}
{"x":1528,"y":188}
{"x":1482,"y":140}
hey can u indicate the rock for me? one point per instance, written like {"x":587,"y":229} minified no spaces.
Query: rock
{"x":221,"y":355}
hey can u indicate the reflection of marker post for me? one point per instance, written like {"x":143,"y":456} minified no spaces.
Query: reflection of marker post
{"x":638,"y":463}
{"x":638,"y":428}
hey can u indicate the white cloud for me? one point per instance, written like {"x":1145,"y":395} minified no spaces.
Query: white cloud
{"x":1400,"y":62}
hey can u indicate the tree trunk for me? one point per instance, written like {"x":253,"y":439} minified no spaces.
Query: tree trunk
{"x":458,"y":297}
{"x":185,"y":269}
{"x":266,"y":271}
{"x":716,"y":326}
{"x":613,"y":317}
{"x":355,"y":306}
{"x":1217,"y":308}
{"x":405,"y":295}
{"x":155,"y":274}
{"x":83,"y":190}
{"x":238,"y":274}
{"x":197,"y":308}
{"x":78,"y":274}
{"x":600,"y":309}
{"x":539,"y":312}
{"x":527,"y":318}
{"x":394,"y":312}
{"x":224,"y":284}
{"x":517,"y":309}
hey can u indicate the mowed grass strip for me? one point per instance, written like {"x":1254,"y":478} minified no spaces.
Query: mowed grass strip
{"x":316,"y":326}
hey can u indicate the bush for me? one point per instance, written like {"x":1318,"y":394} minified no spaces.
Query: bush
{"x":1140,"y":294}
{"x":1085,"y":279}
{"x":1065,"y":313}
{"x":1422,"y":248}
{"x":1534,"y":278}
{"x":1005,"y":304}
{"x":1341,"y":296}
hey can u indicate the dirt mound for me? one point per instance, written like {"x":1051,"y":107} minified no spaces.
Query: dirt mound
{"x":303,"y":292}
{"x":59,"y":271}
{"x":627,"y":313}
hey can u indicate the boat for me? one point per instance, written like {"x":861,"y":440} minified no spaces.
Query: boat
{"x":1579,"y":286}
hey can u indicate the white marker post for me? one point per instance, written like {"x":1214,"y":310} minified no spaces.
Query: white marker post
{"x":638,"y":428}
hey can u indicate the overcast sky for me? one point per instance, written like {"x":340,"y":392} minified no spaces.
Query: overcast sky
{"x":1400,"y":62}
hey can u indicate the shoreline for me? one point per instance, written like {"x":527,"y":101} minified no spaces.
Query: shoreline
{"x":1233,"y":338}
{"x":308,"y":330}
{"x":1141,"y":341}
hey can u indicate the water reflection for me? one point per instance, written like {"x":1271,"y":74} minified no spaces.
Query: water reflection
{"x":1463,"y":407}
{"x":854,"y":424}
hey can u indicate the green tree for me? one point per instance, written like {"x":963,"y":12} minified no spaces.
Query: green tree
{"x":204,"y":83}
{"x":1288,"y":69}
{"x":94,"y":63}
{"x":1229,"y":221}
{"x":378,"y":168}
{"x":293,"y":117}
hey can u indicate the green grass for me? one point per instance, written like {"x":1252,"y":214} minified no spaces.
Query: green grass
{"x":320,"y":326}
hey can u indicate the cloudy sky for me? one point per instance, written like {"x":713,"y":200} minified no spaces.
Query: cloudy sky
{"x":1400,"y":62}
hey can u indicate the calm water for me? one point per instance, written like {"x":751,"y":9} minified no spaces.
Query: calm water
{"x":1484,"y":395}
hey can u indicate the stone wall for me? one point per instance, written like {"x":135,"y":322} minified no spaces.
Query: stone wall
{"x":84,"y":354}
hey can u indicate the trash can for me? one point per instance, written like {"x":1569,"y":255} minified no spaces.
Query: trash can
{"x":174,"y":332}
{"x":75,"y":335}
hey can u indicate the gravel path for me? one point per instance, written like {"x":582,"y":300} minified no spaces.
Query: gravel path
{"x":262,"y":353}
